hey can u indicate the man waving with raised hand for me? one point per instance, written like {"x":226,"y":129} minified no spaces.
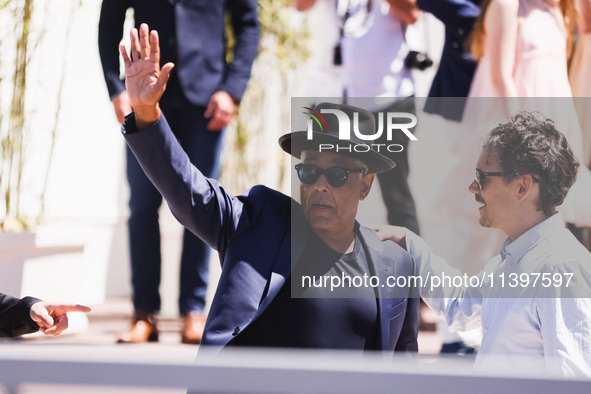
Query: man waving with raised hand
{"x":268,"y":243}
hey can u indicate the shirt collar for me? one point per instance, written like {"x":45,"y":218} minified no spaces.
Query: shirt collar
{"x":526,"y":241}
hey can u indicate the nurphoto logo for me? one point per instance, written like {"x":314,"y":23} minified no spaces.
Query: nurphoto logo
{"x":387,"y":122}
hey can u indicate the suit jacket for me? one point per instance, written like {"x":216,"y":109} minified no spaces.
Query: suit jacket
{"x":457,"y":66}
{"x":258,"y":235}
{"x":192,"y":35}
{"x":15,"y":318}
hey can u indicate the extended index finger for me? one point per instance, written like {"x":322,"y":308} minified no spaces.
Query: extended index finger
{"x":63,"y":308}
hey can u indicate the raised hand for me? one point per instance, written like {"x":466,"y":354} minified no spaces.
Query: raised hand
{"x":145,"y":81}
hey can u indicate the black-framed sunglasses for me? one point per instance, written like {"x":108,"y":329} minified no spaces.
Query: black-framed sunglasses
{"x":336,"y":176}
{"x":481,"y":176}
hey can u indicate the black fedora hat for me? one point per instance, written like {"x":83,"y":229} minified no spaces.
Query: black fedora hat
{"x":326,"y":131}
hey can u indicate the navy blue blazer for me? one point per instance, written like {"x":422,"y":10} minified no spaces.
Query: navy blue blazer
{"x":192,"y":35}
{"x":457,"y":66}
{"x":258,"y":235}
{"x":15,"y":316}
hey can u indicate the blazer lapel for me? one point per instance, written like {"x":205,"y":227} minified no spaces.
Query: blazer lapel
{"x":290,"y":252}
{"x":381,"y":268}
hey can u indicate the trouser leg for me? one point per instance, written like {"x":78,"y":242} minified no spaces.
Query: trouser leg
{"x":203,"y":148}
{"x":394,"y":183}
{"x":144,"y":238}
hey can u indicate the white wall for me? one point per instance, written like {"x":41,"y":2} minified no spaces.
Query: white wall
{"x":85,"y":197}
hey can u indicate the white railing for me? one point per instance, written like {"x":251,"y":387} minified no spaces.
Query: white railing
{"x":268,"y":372}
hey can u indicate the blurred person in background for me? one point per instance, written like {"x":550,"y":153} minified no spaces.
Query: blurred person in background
{"x":580,"y":82}
{"x":522,"y":47}
{"x":323,"y":75}
{"x":199,"y":103}
{"x":377,"y":63}
{"x":456,"y":65}
{"x":19,"y":316}
{"x":447,"y":97}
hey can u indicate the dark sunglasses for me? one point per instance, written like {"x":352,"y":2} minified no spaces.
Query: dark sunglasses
{"x":336,"y":176}
{"x":481,"y":176}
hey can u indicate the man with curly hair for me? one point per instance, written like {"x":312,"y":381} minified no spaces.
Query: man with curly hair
{"x":532,"y":300}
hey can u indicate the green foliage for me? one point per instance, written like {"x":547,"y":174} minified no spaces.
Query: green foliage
{"x":291,"y":41}
{"x":251,"y":155}
{"x":21,"y":39}
{"x":12,"y":137}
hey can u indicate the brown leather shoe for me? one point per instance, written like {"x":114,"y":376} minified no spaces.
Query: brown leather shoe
{"x":142,"y":330}
{"x":193,"y":325}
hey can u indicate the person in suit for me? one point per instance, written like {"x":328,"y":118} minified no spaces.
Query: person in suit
{"x":19,"y":316}
{"x":447,"y":98}
{"x":199,"y":104}
{"x":456,"y":65}
{"x":268,"y":243}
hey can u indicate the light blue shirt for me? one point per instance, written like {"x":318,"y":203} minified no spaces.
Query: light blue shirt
{"x":544,"y":320}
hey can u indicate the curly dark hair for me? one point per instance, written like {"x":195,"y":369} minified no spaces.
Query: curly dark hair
{"x":531,"y":144}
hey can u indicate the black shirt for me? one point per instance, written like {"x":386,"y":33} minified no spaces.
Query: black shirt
{"x":313,"y":316}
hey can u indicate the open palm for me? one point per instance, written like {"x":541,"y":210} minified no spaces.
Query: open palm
{"x":145,"y":81}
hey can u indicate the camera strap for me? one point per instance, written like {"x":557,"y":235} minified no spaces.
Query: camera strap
{"x":337,"y":59}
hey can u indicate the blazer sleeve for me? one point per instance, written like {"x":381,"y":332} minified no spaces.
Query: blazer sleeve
{"x":199,"y":203}
{"x":407,"y":341}
{"x":244,"y":17}
{"x":454,"y":14}
{"x":15,"y":319}
{"x":110,"y":32}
